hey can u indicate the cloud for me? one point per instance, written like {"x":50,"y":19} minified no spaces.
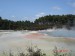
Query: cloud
{"x":27,"y":18}
{"x":40,"y":15}
{"x":24,"y":18}
{"x":13,"y":16}
{"x":56,"y":8}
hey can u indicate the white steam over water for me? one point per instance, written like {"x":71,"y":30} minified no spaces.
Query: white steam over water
{"x":60,"y":33}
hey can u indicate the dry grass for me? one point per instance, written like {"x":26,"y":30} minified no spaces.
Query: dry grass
{"x":31,"y":51}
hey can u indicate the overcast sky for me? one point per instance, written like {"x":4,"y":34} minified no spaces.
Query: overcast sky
{"x":32,"y":9}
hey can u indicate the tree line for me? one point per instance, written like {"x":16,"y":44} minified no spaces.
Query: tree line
{"x":44,"y":22}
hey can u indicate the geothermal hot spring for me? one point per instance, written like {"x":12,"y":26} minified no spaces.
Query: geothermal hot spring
{"x":46,"y":40}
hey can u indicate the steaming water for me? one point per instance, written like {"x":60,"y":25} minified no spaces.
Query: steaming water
{"x":60,"y":33}
{"x":62,"y":38}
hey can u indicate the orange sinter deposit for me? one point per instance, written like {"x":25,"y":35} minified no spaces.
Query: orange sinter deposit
{"x":34,"y":36}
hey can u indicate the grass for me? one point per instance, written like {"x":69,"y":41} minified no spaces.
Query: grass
{"x":34,"y":51}
{"x":30,"y":52}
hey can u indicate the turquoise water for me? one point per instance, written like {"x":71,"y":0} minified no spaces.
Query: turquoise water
{"x":60,"y":33}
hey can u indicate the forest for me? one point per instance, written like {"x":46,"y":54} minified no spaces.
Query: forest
{"x":42,"y":23}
